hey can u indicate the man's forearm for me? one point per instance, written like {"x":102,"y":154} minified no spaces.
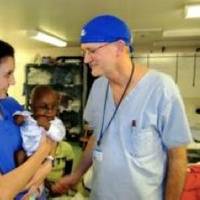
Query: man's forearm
{"x":86,"y":160}
{"x":177,"y":165}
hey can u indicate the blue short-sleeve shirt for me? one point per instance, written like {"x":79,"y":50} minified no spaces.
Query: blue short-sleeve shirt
{"x":150,"y":120}
{"x":10,"y":139}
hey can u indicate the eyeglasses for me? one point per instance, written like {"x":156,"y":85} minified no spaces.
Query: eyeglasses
{"x":46,"y":108}
{"x":93,"y":51}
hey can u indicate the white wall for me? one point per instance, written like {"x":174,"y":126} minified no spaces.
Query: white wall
{"x":191,"y":104}
{"x":24,"y":56}
{"x":183,"y":72}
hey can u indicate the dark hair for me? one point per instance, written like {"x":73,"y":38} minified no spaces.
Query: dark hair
{"x":6,"y":50}
{"x":40,"y":91}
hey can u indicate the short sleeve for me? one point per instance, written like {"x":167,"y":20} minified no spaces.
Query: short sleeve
{"x":13,"y":105}
{"x":173,"y":123}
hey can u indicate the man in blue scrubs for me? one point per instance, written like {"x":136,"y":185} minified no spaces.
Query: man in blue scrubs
{"x":139,"y":122}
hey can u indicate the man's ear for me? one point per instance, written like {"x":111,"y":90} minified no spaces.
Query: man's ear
{"x":121,"y":46}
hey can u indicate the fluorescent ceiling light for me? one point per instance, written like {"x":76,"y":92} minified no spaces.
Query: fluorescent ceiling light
{"x":192,"y":11}
{"x":177,"y":43}
{"x":182,"y":33}
{"x":47,"y":38}
{"x":147,"y":30}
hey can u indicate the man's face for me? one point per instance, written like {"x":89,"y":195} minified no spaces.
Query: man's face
{"x":99,"y":57}
{"x":46,"y":106}
{"x":7,"y":66}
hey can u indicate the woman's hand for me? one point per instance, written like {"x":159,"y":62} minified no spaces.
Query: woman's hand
{"x":35,"y":191}
{"x":46,"y":144}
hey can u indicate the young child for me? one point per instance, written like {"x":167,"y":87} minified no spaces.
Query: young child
{"x":62,"y":165}
{"x":42,"y":120}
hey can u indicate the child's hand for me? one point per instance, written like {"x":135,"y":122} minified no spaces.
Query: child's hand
{"x":19,"y":119}
{"x":43,"y":121}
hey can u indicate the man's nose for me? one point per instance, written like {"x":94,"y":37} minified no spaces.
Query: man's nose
{"x":87,"y":57}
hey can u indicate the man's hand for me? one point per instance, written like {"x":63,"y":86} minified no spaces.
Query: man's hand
{"x":65,"y":183}
{"x":68,"y":182}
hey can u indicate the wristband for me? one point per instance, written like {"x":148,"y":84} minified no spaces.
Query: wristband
{"x":50,"y":158}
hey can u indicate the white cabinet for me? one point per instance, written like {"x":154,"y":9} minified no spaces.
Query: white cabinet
{"x":197,"y":77}
{"x":184,"y":68}
{"x":186,"y":74}
{"x":164,"y":63}
{"x":143,"y":60}
{"x":189,"y":75}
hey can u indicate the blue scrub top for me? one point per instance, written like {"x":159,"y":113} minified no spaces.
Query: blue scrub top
{"x":10,"y":138}
{"x":131,"y":160}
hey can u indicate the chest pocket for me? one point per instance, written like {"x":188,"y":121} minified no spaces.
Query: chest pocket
{"x":144,"y":142}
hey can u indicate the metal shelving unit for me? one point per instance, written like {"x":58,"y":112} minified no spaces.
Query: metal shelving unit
{"x":66,"y":77}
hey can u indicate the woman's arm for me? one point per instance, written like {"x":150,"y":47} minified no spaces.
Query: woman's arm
{"x":13,"y":182}
{"x":40,"y":175}
{"x":38,"y":178}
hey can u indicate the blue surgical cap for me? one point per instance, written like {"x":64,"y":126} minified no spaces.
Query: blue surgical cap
{"x":105,"y":28}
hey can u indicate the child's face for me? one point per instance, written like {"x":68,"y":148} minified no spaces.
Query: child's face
{"x":46,"y":106}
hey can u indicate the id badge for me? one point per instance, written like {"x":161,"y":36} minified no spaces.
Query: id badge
{"x":98,"y":155}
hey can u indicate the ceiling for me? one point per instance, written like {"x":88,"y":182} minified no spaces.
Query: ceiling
{"x":64,"y":18}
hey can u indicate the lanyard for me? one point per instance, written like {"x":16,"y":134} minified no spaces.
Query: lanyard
{"x":102,"y":132}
